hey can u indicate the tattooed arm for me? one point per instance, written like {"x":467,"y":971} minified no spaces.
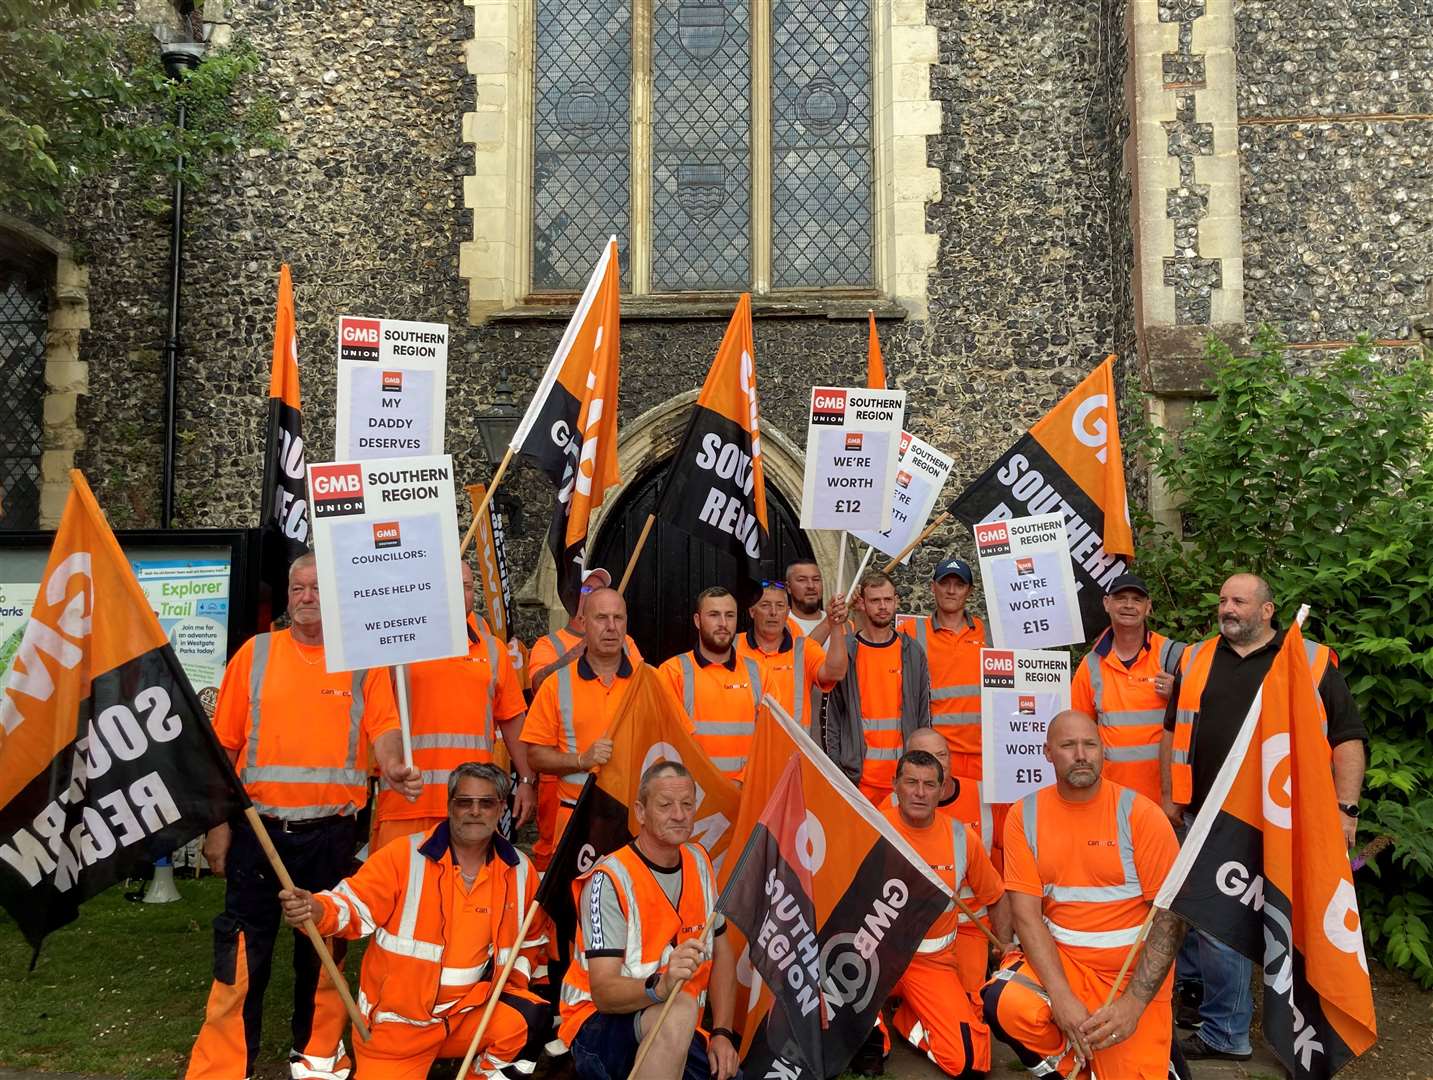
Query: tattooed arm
{"x":1117,"y":1021}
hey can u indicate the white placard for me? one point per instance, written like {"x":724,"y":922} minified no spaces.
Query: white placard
{"x":921,"y":472}
{"x":1029,"y":583}
{"x":852,"y":446}
{"x":1021,"y":691}
{"x":386,"y":536}
{"x":392,"y":388}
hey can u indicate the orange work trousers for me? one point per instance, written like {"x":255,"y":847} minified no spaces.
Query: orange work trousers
{"x":401,"y":1051}
{"x":941,"y":1020}
{"x":1017,"y":1008}
{"x":972,"y":957}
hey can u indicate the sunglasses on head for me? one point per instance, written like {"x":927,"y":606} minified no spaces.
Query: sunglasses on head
{"x":773,"y":585}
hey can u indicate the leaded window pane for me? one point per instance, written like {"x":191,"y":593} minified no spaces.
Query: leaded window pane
{"x":24,"y":320}
{"x":582,"y":172}
{"x":821,"y":187}
{"x":701,"y":145}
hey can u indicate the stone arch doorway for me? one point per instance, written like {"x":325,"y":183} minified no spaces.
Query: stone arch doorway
{"x":673,"y":568}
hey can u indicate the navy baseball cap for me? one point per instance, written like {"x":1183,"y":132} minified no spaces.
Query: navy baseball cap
{"x":1127,"y":581}
{"x":959,"y":567}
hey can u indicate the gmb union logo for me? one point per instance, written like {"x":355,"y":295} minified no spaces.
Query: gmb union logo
{"x":386,"y":534}
{"x":992,"y":538}
{"x":357,"y":338}
{"x":337,"y":490}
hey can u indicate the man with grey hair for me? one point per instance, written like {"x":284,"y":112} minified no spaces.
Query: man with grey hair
{"x":445,"y":911}
{"x":646,"y":915}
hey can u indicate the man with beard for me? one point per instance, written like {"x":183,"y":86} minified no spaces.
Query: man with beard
{"x":720,"y":691}
{"x":1083,"y":861}
{"x":1217,"y":683}
{"x":884,"y":697}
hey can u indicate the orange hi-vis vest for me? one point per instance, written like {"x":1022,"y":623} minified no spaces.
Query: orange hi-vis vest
{"x":880,"y":685}
{"x":784,"y":673}
{"x":954,"y":660}
{"x":654,"y":927}
{"x":969,"y":806}
{"x":436,"y":948}
{"x":1127,"y":708}
{"x":1198,"y":661}
{"x":441,"y":697}
{"x":305,"y":752}
{"x":722,"y":704}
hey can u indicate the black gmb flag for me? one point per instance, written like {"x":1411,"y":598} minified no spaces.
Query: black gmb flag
{"x":1069,"y":463}
{"x":832,"y":903}
{"x":107,"y":759}
{"x":715,"y":491}
{"x":570,"y":427}
{"x":283,"y":513}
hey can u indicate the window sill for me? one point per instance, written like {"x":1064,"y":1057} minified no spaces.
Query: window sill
{"x":713,"y":306}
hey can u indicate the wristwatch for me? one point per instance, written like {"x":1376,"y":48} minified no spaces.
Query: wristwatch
{"x":650,"y":986}
{"x":1351,"y":809}
{"x":527,"y":779}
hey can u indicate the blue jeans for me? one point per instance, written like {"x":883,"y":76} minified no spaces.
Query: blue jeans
{"x":1228,"y":1006}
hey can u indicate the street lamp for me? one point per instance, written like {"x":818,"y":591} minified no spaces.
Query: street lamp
{"x":497,"y":425}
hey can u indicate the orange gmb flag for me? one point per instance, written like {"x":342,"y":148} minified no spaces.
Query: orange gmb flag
{"x":831,"y":902}
{"x":107,"y":759}
{"x":875,"y":366}
{"x":1069,"y":463}
{"x":649,"y":727}
{"x":1264,"y":870}
{"x":716,"y":491}
{"x":283,"y":513}
{"x":491,"y":548}
{"x":570,"y":427}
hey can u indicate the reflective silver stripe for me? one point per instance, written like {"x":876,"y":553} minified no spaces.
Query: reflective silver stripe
{"x":452,"y":742}
{"x":1149,"y":752}
{"x":753,"y":681}
{"x":1179,"y":757}
{"x":960,"y":849}
{"x":881,"y":723}
{"x":413,"y":893}
{"x":1130,"y":889}
{"x":632,"y":965}
{"x":883,"y":753}
{"x":1030,"y":818}
{"x":947,"y":693}
{"x":355,"y":721}
{"x":460,"y":976}
{"x":798,"y":679}
{"x":1133,"y":718}
{"x":1011,"y":975}
{"x":1093,"y":939}
{"x":569,"y":725}
{"x":406,"y":946}
{"x":689,"y":683}
{"x":1097,"y":681}
{"x":921,"y":639}
{"x":1192,"y":653}
{"x":258,"y":667}
{"x":344,"y":891}
{"x":935,"y":945}
{"x":492,"y":645}
{"x":709,"y":894}
{"x":436,"y":777}
{"x":1167,"y":653}
{"x":724,"y":727}
{"x":383,"y":1017}
{"x":729,"y":764}
{"x":304,"y":813}
{"x":299,"y":774}
{"x":944,"y":720}
{"x":987,"y":819}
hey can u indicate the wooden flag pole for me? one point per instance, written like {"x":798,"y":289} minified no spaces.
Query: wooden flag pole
{"x":636,"y":552}
{"x":860,"y":569}
{"x":497,"y":989}
{"x":478,"y":513}
{"x":969,"y":914}
{"x":936,"y":522}
{"x":1129,"y":956}
{"x":320,"y":946}
{"x":651,"y":1037}
{"x":405,"y":724}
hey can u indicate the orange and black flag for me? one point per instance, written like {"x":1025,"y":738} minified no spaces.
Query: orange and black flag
{"x":832,"y":903}
{"x":1265,"y":871}
{"x":570,"y":427}
{"x":107,"y":759}
{"x":491,"y":547}
{"x":715,"y":491}
{"x":875,"y":366}
{"x":1070,"y":462}
{"x":649,"y":727}
{"x":283,"y":515}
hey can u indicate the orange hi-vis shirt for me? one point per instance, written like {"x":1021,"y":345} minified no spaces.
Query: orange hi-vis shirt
{"x":302,"y":734}
{"x":969,"y":806}
{"x":955,"y":853}
{"x":571,"y":711}
{"x":1097,"y":865}
{"x":721,"y":700}
{"x":546,"y":649}
{"x":779,"y":671}
{"x":1130,"y":713}
{"x":954,"y":660}
{"x":878,"y":671}
{"x":454,"y":707}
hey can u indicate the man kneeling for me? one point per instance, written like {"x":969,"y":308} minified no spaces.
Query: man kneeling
{"x":643,"y":914}
{"x":1083,"y":860}
{"x":444,"y":910}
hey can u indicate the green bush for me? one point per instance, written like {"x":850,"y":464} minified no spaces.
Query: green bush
{"x":1318,"y":480}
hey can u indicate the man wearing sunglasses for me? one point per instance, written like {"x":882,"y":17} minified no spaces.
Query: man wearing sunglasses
{"x":793,"y":667}
{"x":444,"y":910}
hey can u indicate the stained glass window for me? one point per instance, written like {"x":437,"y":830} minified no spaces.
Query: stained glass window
{"x":701,"y":145}
{"x":582,"y":172}
{"x":820,"y":143}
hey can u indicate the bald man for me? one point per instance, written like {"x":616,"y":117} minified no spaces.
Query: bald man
{"x":1217,"y":681}
{"x":1083,"y":861}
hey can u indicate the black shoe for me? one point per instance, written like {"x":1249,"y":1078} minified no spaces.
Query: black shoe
{"x":1187,"y":999}
{"x":1196,"y":1049}
{"x":870,"y":1060}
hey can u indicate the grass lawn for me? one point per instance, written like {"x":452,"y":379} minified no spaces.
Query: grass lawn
{"x":121,"y":991}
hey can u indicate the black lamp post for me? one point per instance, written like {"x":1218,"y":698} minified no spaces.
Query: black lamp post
{"x":496,"y":426}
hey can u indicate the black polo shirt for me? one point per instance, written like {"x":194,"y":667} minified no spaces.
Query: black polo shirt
{"x":1228,"y":693}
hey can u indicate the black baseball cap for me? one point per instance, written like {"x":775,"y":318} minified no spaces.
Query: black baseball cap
{"x":1128,"y":581}
{"x":959,"y":567}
